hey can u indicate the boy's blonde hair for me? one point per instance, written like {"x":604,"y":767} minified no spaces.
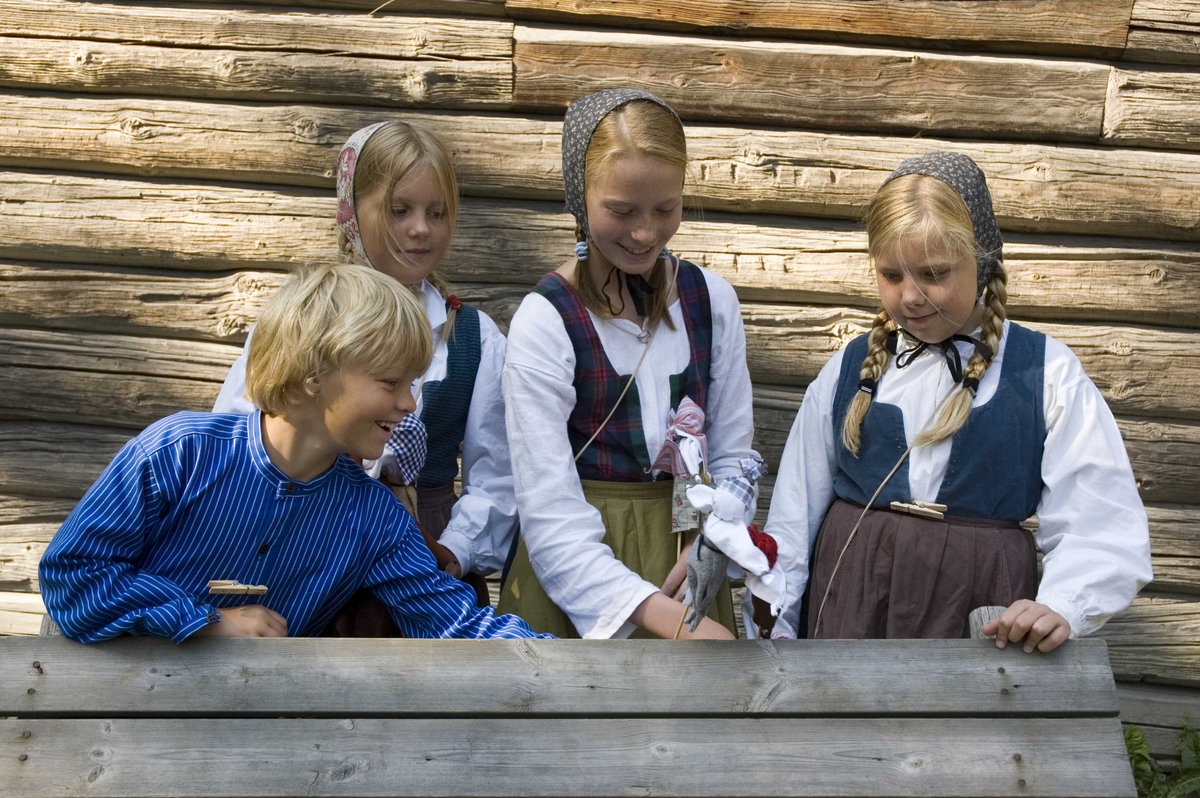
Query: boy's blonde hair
{"x":921,"y":208}
{"x":389,"y":155}
{"x":638,"y":127}
{"x":332,"y":316}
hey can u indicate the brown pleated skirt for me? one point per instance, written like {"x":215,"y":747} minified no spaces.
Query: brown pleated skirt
{"x":909,"y":577}
{"x":366,"y":616}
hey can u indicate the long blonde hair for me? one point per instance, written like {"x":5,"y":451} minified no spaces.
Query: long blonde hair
{"x":392,"y":152}
{"x":917,"y":207}
{"x":646,"y":128}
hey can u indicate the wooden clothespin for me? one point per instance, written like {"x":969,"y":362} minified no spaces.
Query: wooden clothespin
{"x":232,"y":587}
{"x":923,"y":509}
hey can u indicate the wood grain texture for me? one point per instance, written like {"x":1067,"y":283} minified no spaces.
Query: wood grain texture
{"x":415,"y":678}
{"x":514,"y":757}
{"x":764,"y":258}
{"x":1035,"y":187}
{"x":788,"y":345}
{"x":815,"y":85}
{"x":40,"y":460}
{"x":1150,"y":107}
{"x":1022,"y":26}
{"x":1166,"y":31}
{"x":26,"y":510}
{"x":1156,"y":640}
{"x":21,"y":548}
{"x":466,"y":8}
{"x":387,"y":36}
{"x":117,"y":380}
{"x":255,"y":75}
{"x":20,"y":613}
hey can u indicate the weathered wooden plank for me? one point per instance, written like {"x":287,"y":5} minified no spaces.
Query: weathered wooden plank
{"x":1156,"y":640}
{"x":20,"y":613}
{"x":25,"y":510}
{"x":1166,"y":31}
{"x":1035,"y":187}
{"x":1165,"y":457}
{"x":21,"y":548}
{"x":815,"y":85}
{"x":1153,"y":107}
{"x":118,"y":380}
{"x":365,"y":677}
{"x":514,"y":757}
{"x":65,"y":217}
{"x":789,"y":344}
{"x":113,"y":68}
{"x":479,"y":8}
{"x":765,"y":258}
{"x":1158,"y":710}
{"x":104,"y":299}
{"x":1022,"y":26}
{"x":43,"y":460}
{"x":387,"y":36}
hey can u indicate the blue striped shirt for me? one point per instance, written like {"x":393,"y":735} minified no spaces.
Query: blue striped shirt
{"x":195,"y":497}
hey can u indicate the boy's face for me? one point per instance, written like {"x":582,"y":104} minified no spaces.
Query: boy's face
{"x":360,"y":409}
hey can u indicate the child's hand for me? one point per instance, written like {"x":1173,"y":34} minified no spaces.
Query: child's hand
{"x":249,"y":620}
{"x":1041,"y":627}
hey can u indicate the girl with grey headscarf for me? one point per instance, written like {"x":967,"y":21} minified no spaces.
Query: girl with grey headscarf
{"x":923,"y":445}
{"x":618,"y":343}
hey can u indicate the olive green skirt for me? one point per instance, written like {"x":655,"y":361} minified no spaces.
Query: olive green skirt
{"x":637,"y":523}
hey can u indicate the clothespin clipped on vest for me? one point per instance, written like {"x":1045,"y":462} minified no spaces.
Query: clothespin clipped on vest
{"x":232,"y":587}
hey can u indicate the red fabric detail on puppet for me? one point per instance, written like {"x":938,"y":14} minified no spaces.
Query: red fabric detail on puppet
{"x":765,"y":543}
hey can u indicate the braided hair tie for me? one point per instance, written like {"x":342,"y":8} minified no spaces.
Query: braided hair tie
{"x":867,"y":386}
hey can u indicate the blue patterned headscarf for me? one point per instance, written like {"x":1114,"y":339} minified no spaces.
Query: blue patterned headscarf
{"x":966,"y":178}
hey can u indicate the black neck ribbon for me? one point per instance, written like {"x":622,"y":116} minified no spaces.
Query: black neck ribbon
{"x":947,"y":348}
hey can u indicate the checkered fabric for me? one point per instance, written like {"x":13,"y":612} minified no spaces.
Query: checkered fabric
{"x":742,"y":485}
{"x":408,"y":443}
{"x":619,"y":452}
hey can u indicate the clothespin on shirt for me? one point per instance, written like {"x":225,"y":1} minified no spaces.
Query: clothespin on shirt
{"x":232,"y":587}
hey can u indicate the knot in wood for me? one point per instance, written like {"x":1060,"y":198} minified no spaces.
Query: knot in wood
{"x":1120,"y":347}
{"x":82,"y":58}
{"x":307,"y":129}
{"x":136,"y":128}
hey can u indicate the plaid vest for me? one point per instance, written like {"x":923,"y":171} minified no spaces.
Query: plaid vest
{"x":619,"y":452}
{"x":446,"y":402}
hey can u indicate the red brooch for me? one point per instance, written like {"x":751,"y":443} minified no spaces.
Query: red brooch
{"x":454,"y":302}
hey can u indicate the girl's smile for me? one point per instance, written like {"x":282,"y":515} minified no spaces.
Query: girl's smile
{"x":929,"y":292}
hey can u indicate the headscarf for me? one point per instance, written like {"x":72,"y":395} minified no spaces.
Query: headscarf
{"x":583,"y":116}
{"x":966,"y":178}
{"x":347,"y":214}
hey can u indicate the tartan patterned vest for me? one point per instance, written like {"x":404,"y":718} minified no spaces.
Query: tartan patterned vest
{"x":619,"y":452}
{"x":995,"y":466}
{"x":445,"y":403}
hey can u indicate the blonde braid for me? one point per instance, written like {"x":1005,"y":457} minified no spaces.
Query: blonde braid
{"x":955,"y":415}
{"x":873,"y":366}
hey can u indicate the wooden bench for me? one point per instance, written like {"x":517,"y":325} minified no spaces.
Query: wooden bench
{"x":145,"y":717}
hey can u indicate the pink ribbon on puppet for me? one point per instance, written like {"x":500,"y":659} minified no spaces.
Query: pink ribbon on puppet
{"x":687,"y":419}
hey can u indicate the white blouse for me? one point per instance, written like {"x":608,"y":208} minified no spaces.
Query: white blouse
{"x":562,"y":532}
{"x":484,"y":518}
{"x":1092,"y":525}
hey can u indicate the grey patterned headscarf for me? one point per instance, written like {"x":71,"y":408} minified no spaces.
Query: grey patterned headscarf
{"x":966,"y":178}
{"x":580,"y":123}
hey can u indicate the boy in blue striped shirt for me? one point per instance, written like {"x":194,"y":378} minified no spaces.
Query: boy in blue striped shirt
{"x":274,"y":498}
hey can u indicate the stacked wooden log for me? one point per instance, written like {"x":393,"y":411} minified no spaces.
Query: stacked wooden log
{"x":162,"y":165}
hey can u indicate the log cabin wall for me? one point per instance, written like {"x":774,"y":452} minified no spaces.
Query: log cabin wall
{"x":162,"y":164}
